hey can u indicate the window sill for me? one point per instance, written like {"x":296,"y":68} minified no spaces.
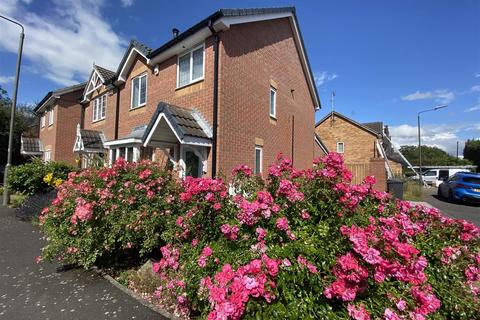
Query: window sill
{"x":191,"y":83}
{"x":137,"y":107}
{"x":99,"y":120}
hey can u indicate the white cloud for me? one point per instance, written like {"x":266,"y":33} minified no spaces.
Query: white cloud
{"x":127,"y":3}
{"x":442,"y":136}
{"x":63,"y":43}
{"x":475,"y":107}
{"x":6,"y":79}
{"x":475,"y":88}
{"x":323,"y":77}
{"x":441,"y":96}
{"x":477,"y":75}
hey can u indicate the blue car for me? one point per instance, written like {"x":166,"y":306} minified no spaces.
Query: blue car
{"x":462,"y":186}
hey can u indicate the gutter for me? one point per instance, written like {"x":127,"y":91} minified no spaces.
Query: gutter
{"x":215,"y":98}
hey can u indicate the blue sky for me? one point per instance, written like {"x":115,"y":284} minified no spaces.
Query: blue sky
{"x":386,"y":60}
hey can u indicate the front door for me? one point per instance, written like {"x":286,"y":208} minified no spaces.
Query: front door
{"x":192,"y":164}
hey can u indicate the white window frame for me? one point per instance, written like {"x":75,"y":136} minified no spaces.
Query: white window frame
{"x":190,"y":52}
{"x":42,"y":121}
{"x":338,"y":147}
{"x":99,"y":110}
{"x":257,"y":147}
{"x":50,"y":117}
{"x":139,"y":77}
{"x":274,"y":114}
{"x":47,"y":155}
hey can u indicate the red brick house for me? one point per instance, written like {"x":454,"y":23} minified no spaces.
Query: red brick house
{"x":58,"y":111}
{"x":364,"y":146}
{"x":234,"y":88}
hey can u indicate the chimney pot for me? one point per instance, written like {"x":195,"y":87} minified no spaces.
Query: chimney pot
{"x":175,"y":32}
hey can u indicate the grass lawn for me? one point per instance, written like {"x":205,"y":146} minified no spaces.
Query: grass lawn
{"x":412,"y":191}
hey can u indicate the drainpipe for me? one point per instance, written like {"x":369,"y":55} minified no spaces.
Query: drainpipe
{"x":117,"y":111}
{"x":215,"y":97}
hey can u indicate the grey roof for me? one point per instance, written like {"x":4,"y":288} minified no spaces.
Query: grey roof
{"x":337,"y":114}
{"x":183,"y":120}
{"x":107,"y":75}
{"x":320,"y":143}
{"x":375,"y":126}
{"x":59,"y":92}
{"x":137,"y":132}
{"x":144,"y":49}
{"x":91,"y":139}
{"x":31,"y":146}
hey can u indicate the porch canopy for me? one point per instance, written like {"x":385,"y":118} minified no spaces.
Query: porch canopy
{"x":89,"y":141}
{"x":183,"y":132}
{"x":31,"y":146}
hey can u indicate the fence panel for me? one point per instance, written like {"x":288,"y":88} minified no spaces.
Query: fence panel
{"x":359,"y":171}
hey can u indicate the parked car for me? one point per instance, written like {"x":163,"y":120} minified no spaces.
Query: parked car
{"x":432,"y":176}
{"x":462,"y":186}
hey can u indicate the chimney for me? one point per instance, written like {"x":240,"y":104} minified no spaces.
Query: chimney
{"x":175,"y":32}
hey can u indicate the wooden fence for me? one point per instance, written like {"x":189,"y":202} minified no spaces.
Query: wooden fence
{"x":359,"y":171}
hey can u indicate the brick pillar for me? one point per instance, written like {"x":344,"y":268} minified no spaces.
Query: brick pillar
{"x":377,"y":169}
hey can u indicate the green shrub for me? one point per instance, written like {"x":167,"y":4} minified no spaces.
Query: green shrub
{"x":107,"y":215}
{"x":29,"y":178}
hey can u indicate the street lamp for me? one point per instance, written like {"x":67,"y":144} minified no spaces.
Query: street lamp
{"x":420,"y":141}
{"x":6,"y":196}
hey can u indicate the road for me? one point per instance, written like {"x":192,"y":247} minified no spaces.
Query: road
{"x":31,"y":291}
{"x":455,"y":210}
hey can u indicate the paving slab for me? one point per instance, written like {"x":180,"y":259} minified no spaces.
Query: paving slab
{"x":37,"y":291}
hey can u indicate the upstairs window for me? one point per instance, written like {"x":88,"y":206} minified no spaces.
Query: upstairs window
{"x":99,"y":108}
{"x":190,"y":67}
{"x":139,"y":91}
{"x":273,"y":102}
{"x":340,"y":147}
{"x":42,"y":121}
{"x":50,"y":117}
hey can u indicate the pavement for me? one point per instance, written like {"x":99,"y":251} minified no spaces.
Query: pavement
{"x":36,"y":291}
{"x":465,"y":211}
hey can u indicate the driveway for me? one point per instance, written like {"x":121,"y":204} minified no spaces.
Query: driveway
{"x":31,"y":291}
{"x":455,"y":210}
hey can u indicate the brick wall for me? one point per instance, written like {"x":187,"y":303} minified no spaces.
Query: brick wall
{"x":162,"y":87}
{"x":359,"y":144}
{"x":107,"y":125}
{"x":253,"y":57}
{"x":48,"y":134}
{"x":60,"y":137}
{"x":377,"y":169}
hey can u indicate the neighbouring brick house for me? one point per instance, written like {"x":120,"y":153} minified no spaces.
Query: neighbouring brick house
{"x":58,"y":112}
{"x":363,"y":146}
{"x":234,"y":88}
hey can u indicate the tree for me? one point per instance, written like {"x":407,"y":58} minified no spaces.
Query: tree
{"x":24,"y":118}
{"x":431,"y":156}
{"x":471,"y":151}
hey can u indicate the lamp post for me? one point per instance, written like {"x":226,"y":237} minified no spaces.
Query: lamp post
{"x":6,"y":196}
{"x":420,"y":141}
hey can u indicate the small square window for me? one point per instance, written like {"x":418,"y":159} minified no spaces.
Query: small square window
{"x":340,"y":147}
{"x":273,"y":102}
{"x":258,"y":159}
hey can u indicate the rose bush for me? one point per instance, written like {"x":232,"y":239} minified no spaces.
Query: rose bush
{"x":297,"y":244}
{"x":113,"y":213}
